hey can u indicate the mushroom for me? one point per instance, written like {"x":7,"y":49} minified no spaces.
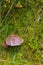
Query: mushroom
{"x":13,"y":40}
{"x":18,"y":5}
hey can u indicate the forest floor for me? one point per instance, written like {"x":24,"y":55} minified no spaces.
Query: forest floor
{"x":27,"y":22}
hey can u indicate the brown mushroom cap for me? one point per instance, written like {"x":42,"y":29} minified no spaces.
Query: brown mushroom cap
{"x":14,"y":40}
{"x":4,"y":45}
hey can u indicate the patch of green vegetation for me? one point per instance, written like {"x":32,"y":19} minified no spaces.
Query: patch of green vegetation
{"x":26,"y":22}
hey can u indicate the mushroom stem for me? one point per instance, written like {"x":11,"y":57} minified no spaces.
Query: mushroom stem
{"x":5,"y":45}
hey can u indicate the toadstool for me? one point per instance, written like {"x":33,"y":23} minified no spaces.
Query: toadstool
{"x":12,"y":40}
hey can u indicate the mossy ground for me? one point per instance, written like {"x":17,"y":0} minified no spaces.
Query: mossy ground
{"x":26,"y":22}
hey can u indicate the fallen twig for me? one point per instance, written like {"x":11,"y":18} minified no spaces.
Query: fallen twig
{"x":7,"y":61}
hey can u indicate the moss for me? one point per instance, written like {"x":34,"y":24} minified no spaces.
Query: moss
{"x":25,"y":23}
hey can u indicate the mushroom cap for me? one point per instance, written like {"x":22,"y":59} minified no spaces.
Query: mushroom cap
{"x":14,"y":40}
{"x":4,"y":45}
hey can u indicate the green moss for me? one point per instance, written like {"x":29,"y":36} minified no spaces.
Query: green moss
{"x":24,"y":22}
